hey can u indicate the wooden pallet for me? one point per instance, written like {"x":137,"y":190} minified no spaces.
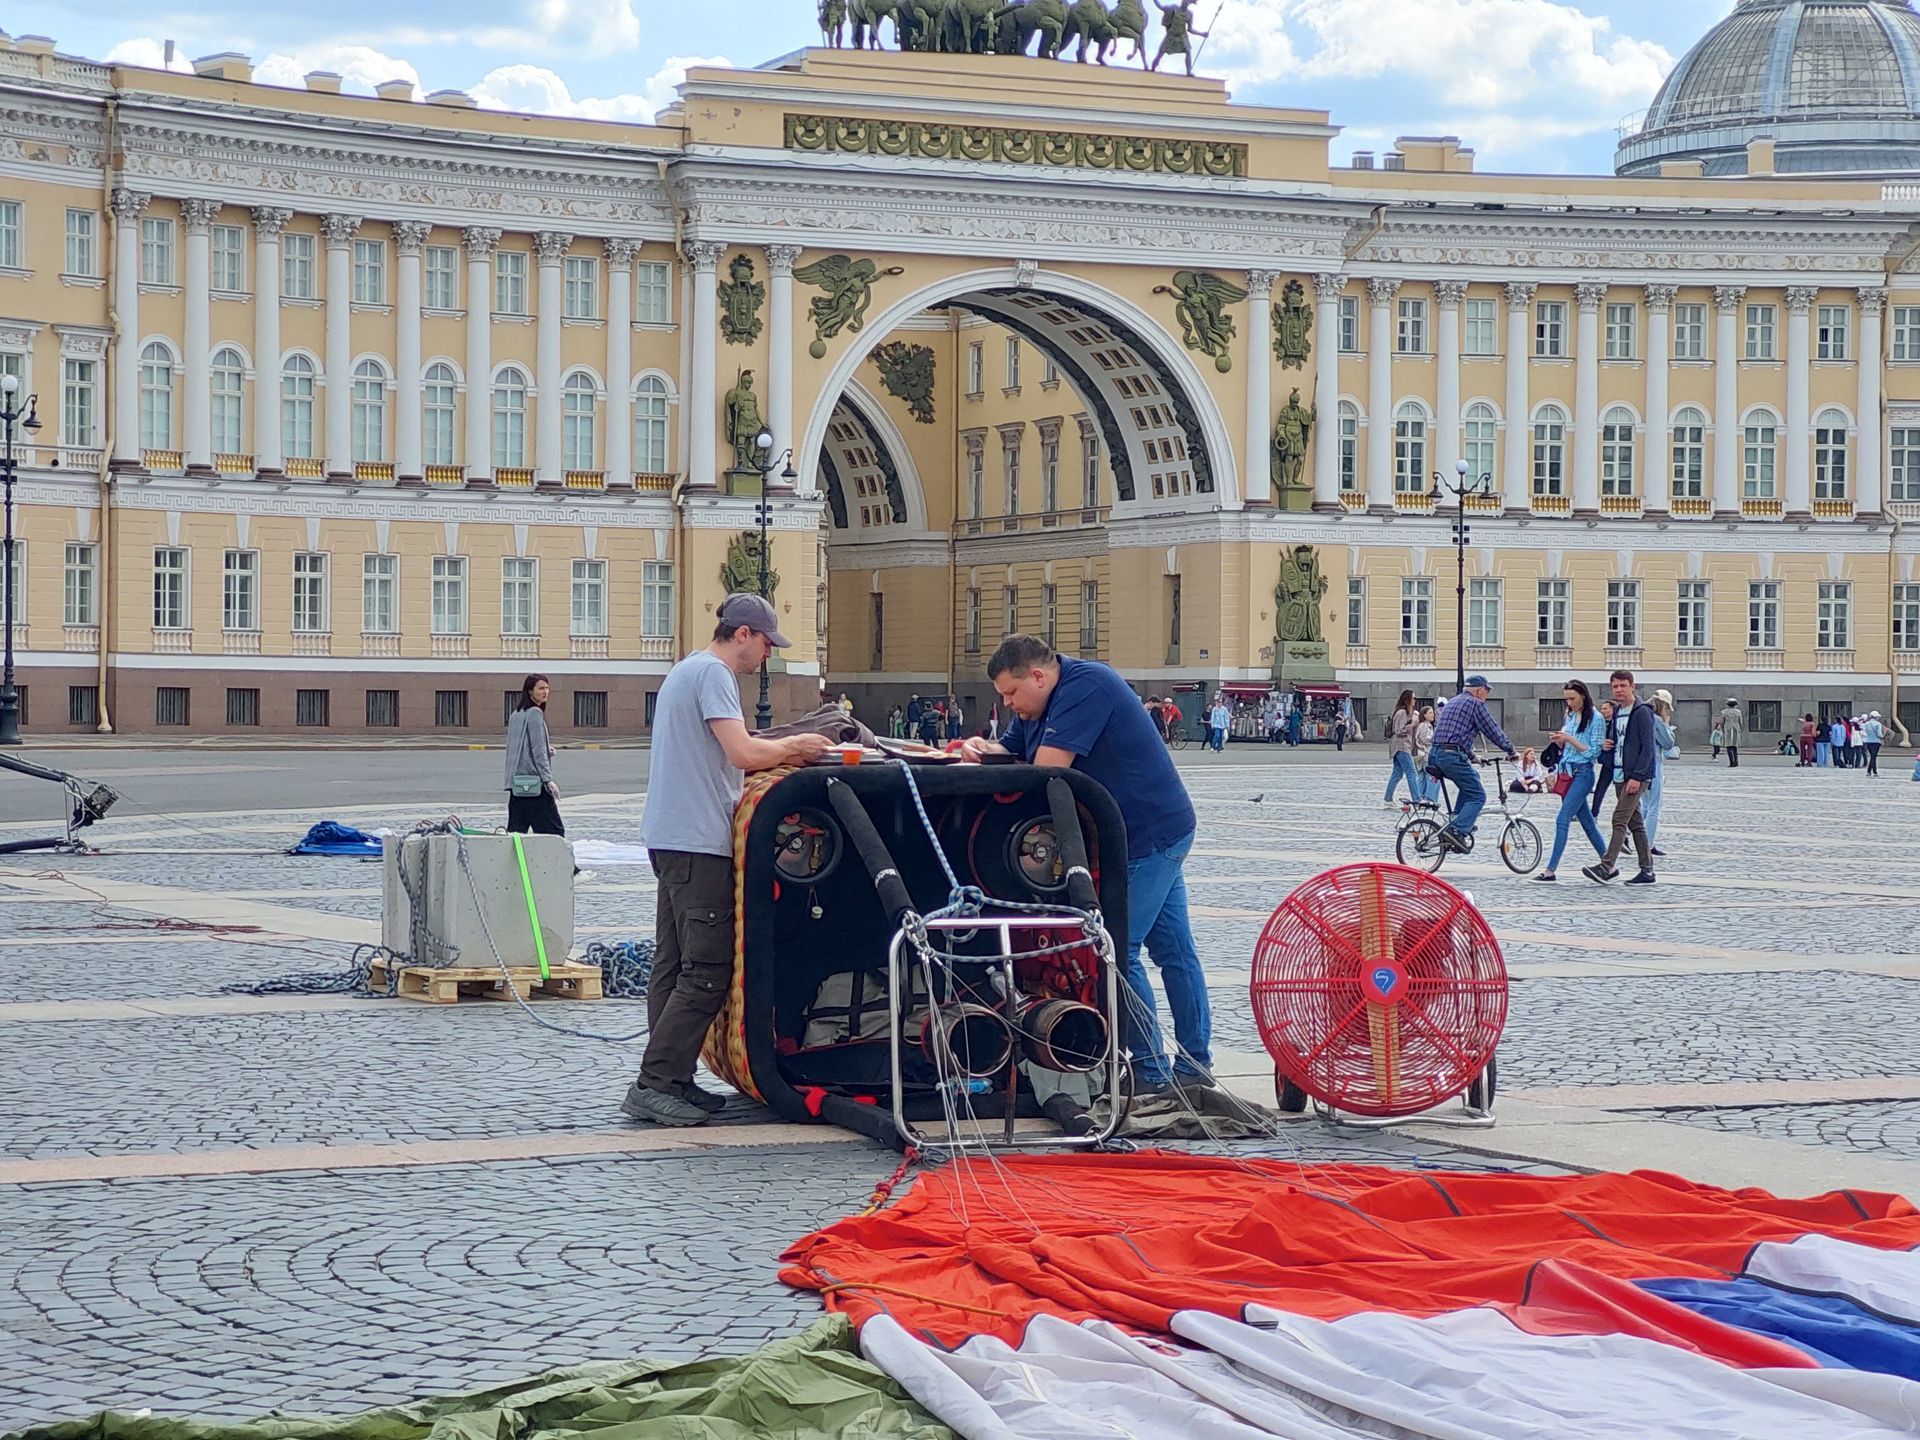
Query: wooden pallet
{"x":458,"y":982}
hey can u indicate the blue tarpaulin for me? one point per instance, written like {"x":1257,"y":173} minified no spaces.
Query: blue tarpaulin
{"x":330,"y":837}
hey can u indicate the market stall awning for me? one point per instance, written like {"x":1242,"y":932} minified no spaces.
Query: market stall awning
{"x":1322,"y":692}
{"x":1245,"y":689}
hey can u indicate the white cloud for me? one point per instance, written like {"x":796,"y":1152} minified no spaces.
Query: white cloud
{"x":534,"y":89}
{"x":360,"y":67}
{"x":149,"y":53}
{"x":591,"y":26}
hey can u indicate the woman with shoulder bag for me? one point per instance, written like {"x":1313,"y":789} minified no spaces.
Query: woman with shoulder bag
{"x":1428,"y":787}
{"x":1579,"y":738}
{"x":533,"y":798}
{"x":1401,"y":724}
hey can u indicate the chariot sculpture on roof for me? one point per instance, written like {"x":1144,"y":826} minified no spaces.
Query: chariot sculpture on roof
{"x":1091,"y":29}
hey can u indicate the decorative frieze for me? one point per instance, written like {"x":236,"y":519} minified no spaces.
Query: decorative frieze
{"x":1063,"y":149}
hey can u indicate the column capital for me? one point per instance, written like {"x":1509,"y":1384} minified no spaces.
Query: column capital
{"x":1520,"y":293}
{"x":339,"y":229}
{"x":1449,"y":293}
{"x":1660,"y":297}
{"x":1590,"y":294}
{"x":704,"y":255}
{"x":1381,"y":290}
{"x":550,"y":246}
{"x":410,"y":235}
{"x":975,"y":441}
{"x":480,"y":241}
{"x":1727,"y":299}
{"x":780,"y":259}
{"x":128,"y":204}
{"x":1260,"y":283}
{"x":620,"y":251}
{"x":1327,"y":285}
{"x":197,"y":215}
{"x":1872,"y":301}
{"x":269,"y":221}
{"x":1800,"y":298}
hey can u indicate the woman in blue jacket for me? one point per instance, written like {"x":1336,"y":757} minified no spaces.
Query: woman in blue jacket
{"x":1579,"y":736}
{"x":1663,"y":740}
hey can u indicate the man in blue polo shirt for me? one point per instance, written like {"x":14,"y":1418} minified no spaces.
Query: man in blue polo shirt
{"x":1081,"y":714}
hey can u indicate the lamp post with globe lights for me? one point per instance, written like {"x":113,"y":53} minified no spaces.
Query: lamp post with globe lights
{"x":764,"y":461}
{"x":1461,"y":487}
{"x":12,"y":412}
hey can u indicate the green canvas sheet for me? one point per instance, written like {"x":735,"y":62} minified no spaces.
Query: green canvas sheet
{"x":812,"y":1386}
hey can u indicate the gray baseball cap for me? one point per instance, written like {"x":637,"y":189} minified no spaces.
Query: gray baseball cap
{"x":743,"y":608}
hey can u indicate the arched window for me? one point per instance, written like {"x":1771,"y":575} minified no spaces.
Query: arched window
{"x":1549,"y":451}
{"x":156,"y":397}
{"x":369,"y":412}
{"x":1480,"y":430}
{"x":1830,"y":455}
{"x":227,"y":396}
{"x":296,"y":407}
{"x":510,"y":418}
{"x":437,"y":415}
{"x":1689,"y":449}
{"x":577,"y":413}
{"x":1759,"y":478}
{"x":1349,"y":445}
{"x":650,"y":426}
{"x":1616,"y":451}
{"x":1409,"y":449}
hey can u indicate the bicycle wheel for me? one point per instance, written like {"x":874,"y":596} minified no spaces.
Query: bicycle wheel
{"x":1177,"y":738}
{"x":1418,"y":845}
{"x":1520,"y":846}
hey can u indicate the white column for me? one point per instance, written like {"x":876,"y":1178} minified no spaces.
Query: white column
{"x":1589,"y":295}
{"x":1380,"y":293}
{"x":1799,"y":437}
{"x":128,"y":206}
{"x":1326,"y":390}
{"x":1259,"y":461}
{"x":703,"y":255}
{"x":1727,"y":300}
{"x":408,"y":237}
{"x":1518,"y":452}
{"x":780,"y":260}
{"x":1447,"y":296}
{"x":1657,"y":468}
{"x":196,"y":218}
{"x":478,"y":451}
{"x":268,"y":222}
{"x":550,"y":253}
{"x":620,"y":255}
{"x":339,"y":231}
{"x":1867,"y":427}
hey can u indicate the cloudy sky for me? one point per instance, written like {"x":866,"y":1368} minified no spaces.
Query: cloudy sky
{"x":1532,"y":84}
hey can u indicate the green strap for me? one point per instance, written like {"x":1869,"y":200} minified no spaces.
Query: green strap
{"x":533,"y":910}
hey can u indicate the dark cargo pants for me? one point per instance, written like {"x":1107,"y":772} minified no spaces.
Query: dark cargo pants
{"x":692,"y":963}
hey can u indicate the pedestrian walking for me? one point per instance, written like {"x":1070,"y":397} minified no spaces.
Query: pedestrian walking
{"x":1401,"y":724}
{"x":1731,"y":728}
{"x":1603,"y":767}
{"x":1837,"y":742}
{"x":702,"y":751}
{"x":1295,"y":724}
{"x":956,"y":718}
{"x":846,"y":704}
{"x":1809,"y":742}
{"x":1665,"y":745}
{"x":1579,"y":736}
{"x":1218,"y":719}
{"x":1465,"y":717}
{"x":1630,"y":740}
{"x":1427,"y":787}
{"x":1873,"y":734}
{"x":533,"y":796}
{"x":896,"y":723}
{"x":1857,"y":740}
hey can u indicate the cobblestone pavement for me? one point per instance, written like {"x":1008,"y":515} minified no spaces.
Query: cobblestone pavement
{"x":1763,"y":992}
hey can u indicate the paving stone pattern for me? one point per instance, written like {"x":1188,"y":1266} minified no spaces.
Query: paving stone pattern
{"x":1873,"y":1127}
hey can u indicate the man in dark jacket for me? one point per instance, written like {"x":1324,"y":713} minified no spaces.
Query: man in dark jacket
{"x":1633,"y":753}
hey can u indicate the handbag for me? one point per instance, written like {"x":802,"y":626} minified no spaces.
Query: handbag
{"x":525,"y":787}
{"x":1562,"y":782}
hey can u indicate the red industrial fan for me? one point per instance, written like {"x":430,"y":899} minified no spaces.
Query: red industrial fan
{"x":1379,"y":991}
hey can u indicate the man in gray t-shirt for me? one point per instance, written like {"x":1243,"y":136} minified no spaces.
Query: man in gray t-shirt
{"x":701,"y":749}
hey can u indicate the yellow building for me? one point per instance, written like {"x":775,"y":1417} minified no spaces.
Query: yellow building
{"x":357,"y":409}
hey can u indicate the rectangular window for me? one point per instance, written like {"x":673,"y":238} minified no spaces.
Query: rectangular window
{"x":379,"y":594}
{"x":440,"y":275}
{"x":589,"y":597}
{"x":1835,"y":628}
{"x":656,"y":599}
{"x":1482,"y":320}
{"x":589,"y":709}
{"x":1049,"y":374}
{"x":298,"y":280}
{"x":369,"y":272}
{"x":1090,"y":469}
{"x":517,"y":611}
{"x":1689,"y":452}
{"x":1763,"y":615}
{"x":1550,"y":329}
{"x":310,"y":593}
{"x":1553,"y":603}
{"x":1483,"y":612}
{"x":1906,"y":617}
{"x":1616,"y":452}
{"x":1760,"y":332}
{"x":449,"y":596}
{"x":973,"y":620}
{"x":1410,"y":327}
{"x":172,"y":705}
{"x":976,"y":483}
{"x":1356,"y":611}
{"x":1349,"y":423}
{"x":581,"y":295}
{"x":1692,"y":632}
{"x":1416,"y":612}
{"x":1621,"y":341}
{"x":1009,"y":610}
{"x":313,"y":707}
{"x":450,"y":709}
{"x":82,"y":228}
{"x":1010,"y":475}
{"x":1764,"y":716}
{"x":1050,"y":474}
{"x":1906,"y":332}
{"x":1623,"y":614}
{"x":1762,"y":455}
{"x":511,"y":699}
{"x":156,"y":251}
{"x":652,"y":300}
{"x":1830,"y":456}
{"x":1903,"y":478}
{"x":510,"y":282}
{"x":1049,"y":612}
{"x":383,"y":709}
{"x":82,"y":583}
{"x":79,"y":392}
{"x":878,"y":659}
{"x":83,"y":705}
{"x":1089,"y":617}
{"x":243,"y":706}
{"x":1689,"y":332}
{"x":240,"y":590}
{"x":170,"y":588}
{"x":976,"y":368}
{"x":1830,"y":334}
{"x":1349,"y":324}
{"x":1013,"y":362}
{"x":229,"y":251}
{"x":12,"y":238}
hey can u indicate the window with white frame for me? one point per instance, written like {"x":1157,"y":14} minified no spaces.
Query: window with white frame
{"x":1049,"y":613}
{"x":1905,"y":328}
{"x":1410,"y":327}
{"x":228,"y":264}
{"x":1830,"y":340}
{"x":1480,"y":327}
{"x":156,"y":250}
{"x":1689,"y":332}
{"x":1621,"y":343}
{"x":1089,"y":616}
{"x":440,"y":278}
{"x":13,"y":247}
{"x":1834,"y":624}
{"x":510,"y":282}
{"x":1013,"y":362}
{"x":1089,"y":469}
{"x":1903,"y":471}
{"x":971,"y":639}
{"x":579,"y":412}
{"x":1760,"y":332}
{"x":240,"y":590}
{"x":156,"y":397}
{"x":1549,"y":451}
{"x":1356,"y":610}
{"x":1479,"y":434}
{"x":1049,"y":372}
{"x":589,"y":598}
{"x":1010,"y":472}
{"x":14,"y":363}
{"x":380,"y":594}
{"x":369,"y":412}
{"x":1349,"y":422}
{"x":1623,"y":614}
{"x":1483,"y":611}
{"x":976,"y":484}
{"x":1349,"y":324}
{"x":1553,"y":602}
{"x":1550,"y":329}
{"x":510,"y":418}
{"x":1050,"y":472}
{"x":369,"y":272}
{"x":656,"y":599}
{"x":976,"y":368}
{"x":1410,"y":449}
{"x":1416,"y":611}
{"x":650,"y":426}
{"x":79,"y":402}
{"x":298,"y":265}
{"x":311,"y":602}
{"x":1009,"y":609}
{"x":296,"y":407}
{"x":518,"y":608}
{"x":1830,"y":455}
{"x":83,"y":228}
{"x":449,"y":595}
{"x":82,"y":583}
{"x":652,"y":297}
{"x":1763,"y":615}
{"x":1691,"y":632}
{"x":170,"y":588}
{"x":580,"y":292}
{"x":1761,"y":456}
{"x":1906,"y":616}
{"x":438,"y":405}
{"x":1616,"y":451}
{"x":1689,"y":453}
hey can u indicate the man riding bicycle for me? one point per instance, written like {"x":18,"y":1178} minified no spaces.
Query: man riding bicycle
{"x":1461,"y":719}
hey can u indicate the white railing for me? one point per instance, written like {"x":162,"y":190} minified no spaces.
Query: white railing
{"x":1833,"y":661}
{"x":656,"y":647}
{"x":1416,"y":657}
{"x":450,"y":647}
{"x":589,"y":647}
{"x":82,"y":637}
{"x":1553,"y":657}
{"x":1623,"y":657}
{"x":1907,"y":662}
{"x":1693,"y":658}
{"x":514,"y":647}
{"x":1357,"y":656}
{"x":312,"y":642}
{"x":379,"y":646}
{"x":173,"y":642}
{"x":1766,"y":659}
{"x":240,"y":642}
{"x":1486,"y":657}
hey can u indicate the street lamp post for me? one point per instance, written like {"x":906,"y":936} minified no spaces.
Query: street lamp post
{"x":10,"y":413}
{"x":763,"y":516}
{"x":1461,"y":487}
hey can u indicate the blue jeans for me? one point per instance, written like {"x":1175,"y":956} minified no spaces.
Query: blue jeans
{"x":1650,"y":803}
{"x":1403,"y":770}
{"x":1575,"y":805}
{"x":1469,"y":795}
{"x":1157,"y":914}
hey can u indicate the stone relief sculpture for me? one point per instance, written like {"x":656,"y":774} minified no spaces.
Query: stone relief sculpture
{"x":1200,"y":301}
{"x":743,"y":424}
{"x":1292,"y":327}
{"x":907,"y":373}
{"x":1292,"y":430}
{"x":741,"y":297}
{"x":1176,"y":25}
{"x":740,"y":571}
{"x":849,"y":291}
{"x":1297,"y":597}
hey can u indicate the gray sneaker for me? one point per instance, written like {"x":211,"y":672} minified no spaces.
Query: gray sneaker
{"x":705,"y":1100}
{"x":657,"y":1109}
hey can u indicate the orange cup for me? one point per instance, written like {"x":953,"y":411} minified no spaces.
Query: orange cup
{"x":851,"y":754}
